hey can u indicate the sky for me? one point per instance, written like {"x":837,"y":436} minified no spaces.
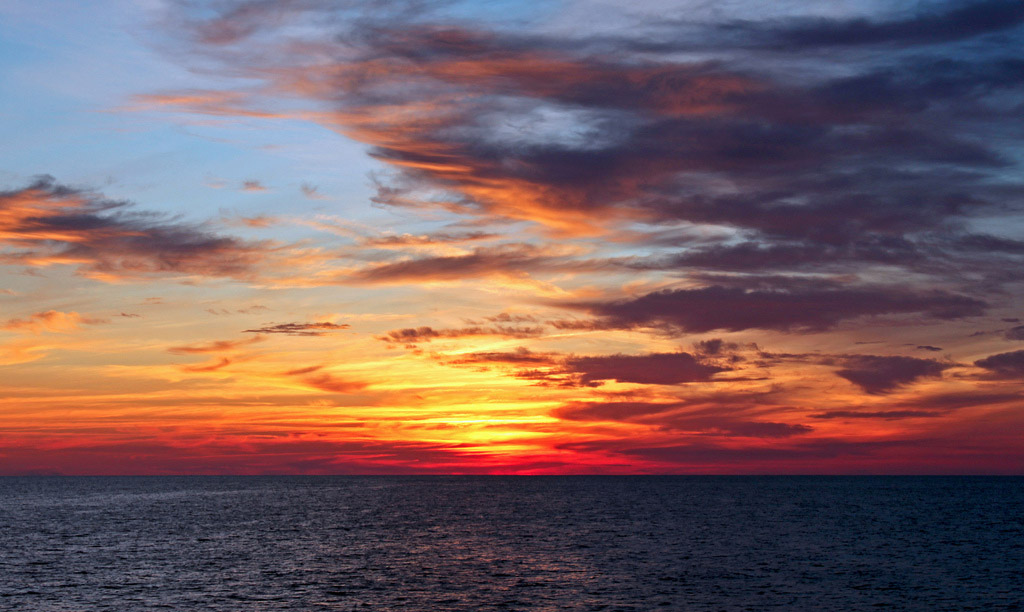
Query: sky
{"x":549,"y":237}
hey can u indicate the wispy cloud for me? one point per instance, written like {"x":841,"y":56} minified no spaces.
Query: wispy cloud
{"x":47,"y":223}
{"x":414,"y":335}
{"x":217,"y":346}
{"x":299,"y":329}
{"x":50,"y":321}
{"x":785,"y":309}
{"x":253,"y":186}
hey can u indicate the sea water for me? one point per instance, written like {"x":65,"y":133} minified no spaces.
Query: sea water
{"x":511,"y":543}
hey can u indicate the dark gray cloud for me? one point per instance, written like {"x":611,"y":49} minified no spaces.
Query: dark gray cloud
{"x":933,"y":24}
{"x":734,"y":309}
{"x":856,"y":160}
{"x":554,"y":369}
{"x":1004,"y":365}
{"x":649,"y":369}
{"x":1015,"y":333}
{"x":714,"y":347}
{"x":481,"y":262}
{"x":875,"y":374}
{"x":881,"y":374}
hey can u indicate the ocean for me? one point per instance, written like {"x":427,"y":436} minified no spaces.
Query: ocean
{"x":511,"y":543}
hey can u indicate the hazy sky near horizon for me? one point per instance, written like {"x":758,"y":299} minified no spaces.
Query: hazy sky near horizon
{"x":562,"y":236}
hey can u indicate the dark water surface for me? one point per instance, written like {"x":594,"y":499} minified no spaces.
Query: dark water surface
{"x":511,"y":543}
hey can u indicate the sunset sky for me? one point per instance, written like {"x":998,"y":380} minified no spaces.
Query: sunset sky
{"x":559,"y":236}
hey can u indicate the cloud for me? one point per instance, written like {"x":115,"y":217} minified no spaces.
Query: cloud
{"x":800,"y":309}
{"x":207,"y":102}
{"x":1015,"y":333}
{"x":886,"y":415}
{"x":808,"y":457}
{"x":260,"y":221}
{"x":554,"y":369}
{"x":710,"y":415}
{"x":212,"y":366}
{"x":506,"y":260}
{"x":315,"y":378}
{"x":833,"y":167}
{"x":758,"y":179}
{"x":50,"y":321}
{"x":947,"y":402}
{"x":928,"y":406}
{"x":299,"y":329}
{"x":714,"y":346}
{"x":239,"y":453}
{"x":47,"y":223}
{"x":312,"y":192}
{"x":253,"y":186}
{"x":875,"y":374}
{"x":556,"y":129}
{"x":24,"y":351}
{"x":522,"y":356}
{"x":881,"y":374}
{"x":404,"y":241}
{"x":948,"y":22}
{"x":247,"y":310}
{"x":414,"y":335}
{"x":332,"y":384}
{"x":218,"y":346}
{"x":1004,"y":365}
{"x":649,"y":369}
{"x":614,"y":410}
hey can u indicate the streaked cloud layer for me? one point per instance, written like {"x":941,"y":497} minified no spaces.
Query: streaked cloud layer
{"x":442,"y":237}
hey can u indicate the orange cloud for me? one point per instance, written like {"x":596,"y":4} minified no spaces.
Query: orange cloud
{"x":50,"y":321}
{"x":253,"y":186}
{"x":218,"y":346}
{"x":48,"y":224}
{"x":260,"y":221}
{"x":332,"y":384}
{"x":222,"y":103}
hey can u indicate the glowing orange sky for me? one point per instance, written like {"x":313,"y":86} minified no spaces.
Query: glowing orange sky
{"x":302,"y":239}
